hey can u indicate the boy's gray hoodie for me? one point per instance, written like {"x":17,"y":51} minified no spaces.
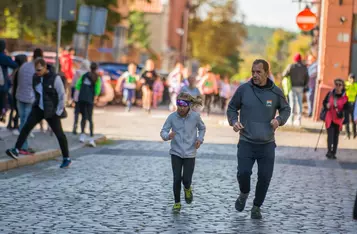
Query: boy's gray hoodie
{"x":257,"y":107}
{"x":186,"y":129}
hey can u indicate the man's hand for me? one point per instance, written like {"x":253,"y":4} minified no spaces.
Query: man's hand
{"x":237,"y":127}
{"x":172,"y":135}
{"x":198,"y":144}
{"x":274,"y":123}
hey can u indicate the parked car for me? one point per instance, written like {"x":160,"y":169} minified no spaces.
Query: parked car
{"x":50,"y":57}
{"x":115,"y":70}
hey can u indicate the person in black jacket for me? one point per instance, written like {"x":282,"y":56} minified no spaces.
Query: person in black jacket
{"x":5,"y":63}
{"x":299,"y":77}
{"x":89,"y":87}
{"x":49,"y":105}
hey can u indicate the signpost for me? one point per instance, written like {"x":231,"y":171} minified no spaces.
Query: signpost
{"x":306,"y":20}
{"x":91,"y":21}
{"x":58,"y":10}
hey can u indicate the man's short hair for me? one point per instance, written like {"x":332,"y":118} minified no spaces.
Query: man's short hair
{"x":264,"y":62}
{"x":40,"y":61}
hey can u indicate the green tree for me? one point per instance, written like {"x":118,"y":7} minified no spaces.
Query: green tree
{"x":33,"y":25}
{"x":301,"y":44}
{"x":216,"y":39}
{"x":30,"y":16}
{"x":277,"y":51}
{"x":138,"y":35}
{"x":245,"y":67}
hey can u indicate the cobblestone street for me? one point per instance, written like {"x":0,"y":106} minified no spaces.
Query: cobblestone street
{"x":126,"y":187}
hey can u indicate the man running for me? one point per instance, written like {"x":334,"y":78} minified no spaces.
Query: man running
{"x":257,"y":100}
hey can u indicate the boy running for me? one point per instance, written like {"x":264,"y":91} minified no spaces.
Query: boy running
{"x":186,"y":131}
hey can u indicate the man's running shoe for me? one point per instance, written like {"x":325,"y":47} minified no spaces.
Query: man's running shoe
{"x":13,"y":153}
{"x":66,"y":163}
{"x":240,"y":202}
{"x":255,"y":213}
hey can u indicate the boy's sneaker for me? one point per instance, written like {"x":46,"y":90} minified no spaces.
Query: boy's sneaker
{"x":13,"y":153}
{"x":240,"y":202}
{"x":82,"y":138}
{"x":92,"y":143}
{"x":188,"y":195}
{"x":255,"y":213}
{"x":177,"y":207}
{"x":66,"y":162}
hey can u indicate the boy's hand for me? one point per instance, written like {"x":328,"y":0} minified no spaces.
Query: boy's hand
{"x":172,"y":135}
{"x":198,"y":144}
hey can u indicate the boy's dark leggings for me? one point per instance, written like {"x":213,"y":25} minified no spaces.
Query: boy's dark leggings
{"x":188,"y":166}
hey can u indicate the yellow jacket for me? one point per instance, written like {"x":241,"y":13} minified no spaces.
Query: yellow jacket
{"x":351,"y":91}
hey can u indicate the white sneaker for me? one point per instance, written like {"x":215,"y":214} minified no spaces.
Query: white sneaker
{"x":92,"y":142}
{"x":82,"y":138}
{"x":32,"y":135}
{"x":16,"y":132}
{"x":297,"y":123}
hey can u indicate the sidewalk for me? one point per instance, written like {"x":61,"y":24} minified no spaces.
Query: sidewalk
{"x":45,"y":145}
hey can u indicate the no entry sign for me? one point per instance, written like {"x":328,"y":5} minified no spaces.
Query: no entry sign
{"x":306,"y":20}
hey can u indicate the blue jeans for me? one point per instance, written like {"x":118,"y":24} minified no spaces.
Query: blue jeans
{"x":129,"y":94}
{"x":310,"y":95}
{"x":24,"y":112}
{"x":295,"y":102}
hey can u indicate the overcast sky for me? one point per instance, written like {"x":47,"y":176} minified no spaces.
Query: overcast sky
{"x":274,"y":13}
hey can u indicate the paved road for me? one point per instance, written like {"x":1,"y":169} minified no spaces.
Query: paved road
{"x":125,"y":187}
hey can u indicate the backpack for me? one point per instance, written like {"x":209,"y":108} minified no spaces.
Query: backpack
{"x":324,"y":110}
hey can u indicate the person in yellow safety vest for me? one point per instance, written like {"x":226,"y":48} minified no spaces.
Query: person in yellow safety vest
{"x":351,"y":92}
{"x":286,"y":85}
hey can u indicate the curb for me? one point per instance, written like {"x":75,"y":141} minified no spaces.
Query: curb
{"x":8,"y":164}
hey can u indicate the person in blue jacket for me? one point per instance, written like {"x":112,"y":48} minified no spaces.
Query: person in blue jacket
{"x":5,"y":63}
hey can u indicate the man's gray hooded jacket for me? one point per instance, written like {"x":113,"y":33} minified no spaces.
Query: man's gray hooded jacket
{"x":257,"y":106}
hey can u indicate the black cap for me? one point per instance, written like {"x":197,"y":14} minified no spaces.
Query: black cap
{"x":352,"y":75}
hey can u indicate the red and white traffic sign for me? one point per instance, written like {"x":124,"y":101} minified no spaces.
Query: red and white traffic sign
{"x":306,"y":20}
